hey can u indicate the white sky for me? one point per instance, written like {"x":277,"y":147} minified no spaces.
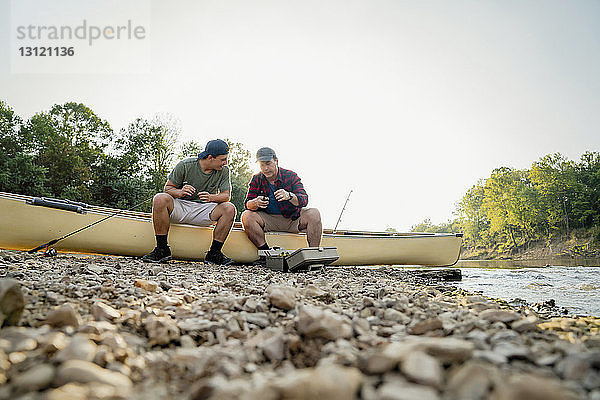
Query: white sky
{"x":408,"y":103}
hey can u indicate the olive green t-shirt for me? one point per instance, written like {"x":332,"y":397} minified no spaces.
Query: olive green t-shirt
{"x":188,"y":172}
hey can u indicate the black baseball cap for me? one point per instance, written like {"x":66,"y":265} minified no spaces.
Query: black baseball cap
{"x":215,"y":148}
{"x":265,"y":154}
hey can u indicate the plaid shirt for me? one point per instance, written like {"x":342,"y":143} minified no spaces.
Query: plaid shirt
{"x":287,"y":180}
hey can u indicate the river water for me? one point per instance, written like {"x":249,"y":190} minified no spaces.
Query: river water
{"x":573,"y":284}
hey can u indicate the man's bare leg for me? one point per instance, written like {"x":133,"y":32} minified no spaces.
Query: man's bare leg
{"x":254,"y":227}
{"x":310,"y":220}
{"x":162,"y":206}
{"x":224,"y":214}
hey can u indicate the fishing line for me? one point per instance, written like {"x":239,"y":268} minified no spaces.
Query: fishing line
{"x":54,"y":241}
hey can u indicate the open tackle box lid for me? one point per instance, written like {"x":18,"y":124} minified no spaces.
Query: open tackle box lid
{"x":303,"y":259}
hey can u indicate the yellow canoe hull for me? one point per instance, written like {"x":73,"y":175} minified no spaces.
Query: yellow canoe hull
{"x":24,"y":226}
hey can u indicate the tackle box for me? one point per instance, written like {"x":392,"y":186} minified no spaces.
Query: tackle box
{"x":303,"y":259}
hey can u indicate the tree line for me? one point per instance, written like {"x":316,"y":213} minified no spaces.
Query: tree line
{"x":513,"y":208}
{"x":69,"y":152}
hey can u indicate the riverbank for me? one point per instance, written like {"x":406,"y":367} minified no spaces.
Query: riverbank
{"x":578,"y":244}
{"x":115,"y":328}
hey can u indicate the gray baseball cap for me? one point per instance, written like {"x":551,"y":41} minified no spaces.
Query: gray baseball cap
{"x":265,"y":154}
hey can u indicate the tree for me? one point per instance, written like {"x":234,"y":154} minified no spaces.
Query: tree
{"x":146,"y":148}
{"x":68,"y":142}
{"x":18,"y":172}
{"x":239,"y":167}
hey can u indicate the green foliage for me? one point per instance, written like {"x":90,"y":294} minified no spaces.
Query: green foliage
{"x":69,"y":152}
{"x":18,"y":171}
{"x":513,"y":208}
{"x":239,"y":167}
{"x":68,"y":142}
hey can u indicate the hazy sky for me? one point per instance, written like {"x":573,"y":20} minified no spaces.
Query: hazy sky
{"x":408,"y":103}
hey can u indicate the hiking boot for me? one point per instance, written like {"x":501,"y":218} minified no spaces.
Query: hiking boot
{"x":158,"y":255}
{"x":217,"y":258}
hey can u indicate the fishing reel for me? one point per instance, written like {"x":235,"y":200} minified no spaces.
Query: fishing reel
{"x":49,"y":252}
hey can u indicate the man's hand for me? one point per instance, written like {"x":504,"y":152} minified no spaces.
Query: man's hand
{"x":187,"y":190}
{"x":262,"y":201}
{"x":204,"y":197}
{"x":282,"y":195}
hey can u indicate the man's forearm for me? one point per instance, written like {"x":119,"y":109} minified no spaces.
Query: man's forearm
{"x":219,"y":197}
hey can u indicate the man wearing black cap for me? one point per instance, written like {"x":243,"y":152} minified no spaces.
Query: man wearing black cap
{"x":275,"y":203}
{"x":197,"y":192}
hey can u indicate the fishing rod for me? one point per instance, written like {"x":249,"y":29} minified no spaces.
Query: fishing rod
{"x":54,"y":241}
{"x":343,"y":208}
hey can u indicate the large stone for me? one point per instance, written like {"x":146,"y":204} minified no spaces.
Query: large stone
{"x":331,"y":382}
{"x":314,"y":322}
{"x":87,"y":372}
{"x":472,"y":381}
{"x":36,"y":378}
{"x":447,"y":350}
{"x":512,"y":350}
{"x":403,"y":391}
{"x":273,"y":348}
{"x":425,"y":326}
{"x":79,"y":348}
{"x":525,"y":324}
{"x":283,"y":297}
{"x":104,"y":312}
{"x":391,"y":314}
{"x":64,"y":315}
{"x":530,"y":387}
{"x":161,"y":330}
{"x":422,"y":369}
{"x":505,"y":316}
{"x":149,"y":286}
{"x":11,"y":302}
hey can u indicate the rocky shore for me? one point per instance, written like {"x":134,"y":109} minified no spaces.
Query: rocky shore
{"x":94,"y":327}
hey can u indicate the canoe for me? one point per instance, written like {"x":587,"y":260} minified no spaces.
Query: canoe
{"x":24,"y":226}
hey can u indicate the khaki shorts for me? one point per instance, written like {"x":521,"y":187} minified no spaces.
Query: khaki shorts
{"x":279,"y":223}
{"x":192,"y":213}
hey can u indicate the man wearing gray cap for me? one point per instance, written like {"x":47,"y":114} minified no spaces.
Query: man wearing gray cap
{"x":197,"y":192}
{"x":275,"y":203}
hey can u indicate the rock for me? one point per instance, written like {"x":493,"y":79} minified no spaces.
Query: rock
{"x":87,"y":372}
{"x":403,"y":391}
{"x":104,"y":312}
{"x":317,"y":293}
{"x":259,"y":319}
{"x":447,"y":350}
{"x":574,"y":367}
{"x":471,"y":381}
{"x":314,"y":322}
{"x":511,"y":350}
{"x":79,"y":348}
{"x":391,"y":314}
{"x":161,"y":330}
{"x":150,"y":286}
{"x":330,"y":382}
{"x":526,"y":324}
{"x":490,"y":356}
{"x":530,"y":387}
{"x":499,"y":316}
{"x":11,"y":302}
{"x":36,"y":378}
{"x":425,"y":326}
{"x":97,"y":327}
{"x":283,"y":297}
{"x":273,"y":348}
{"x":63,"y":316}
{"x":187,"y":342}
{"x":422,"y":369}
{"x":90,"y":391}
